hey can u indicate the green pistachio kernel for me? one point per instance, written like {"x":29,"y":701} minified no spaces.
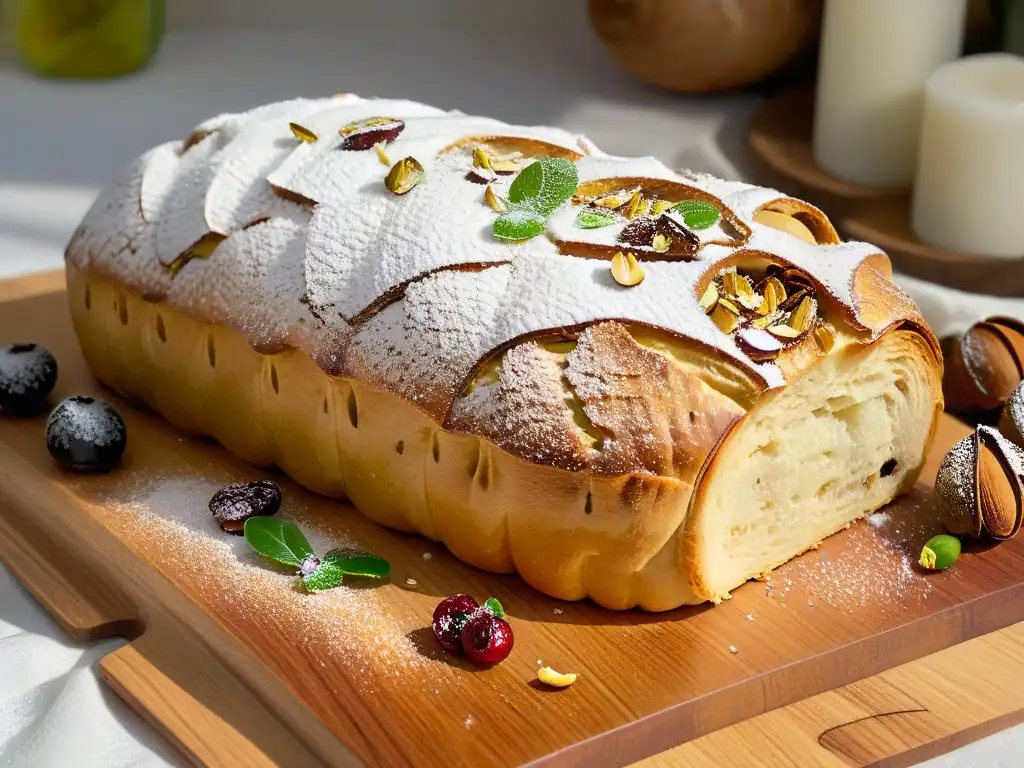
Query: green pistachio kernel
{"x":940,"y":552}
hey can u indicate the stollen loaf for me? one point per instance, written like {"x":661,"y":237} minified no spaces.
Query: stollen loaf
{"x":623,"y":382}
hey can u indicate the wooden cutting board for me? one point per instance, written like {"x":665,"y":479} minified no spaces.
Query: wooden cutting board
{"x":236,"y":667}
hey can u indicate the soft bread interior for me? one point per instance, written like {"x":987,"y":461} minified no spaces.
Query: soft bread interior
{"x":838,"y":443}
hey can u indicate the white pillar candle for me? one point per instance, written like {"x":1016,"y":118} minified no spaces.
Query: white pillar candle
{"x":875,"y":58}
{"x":969,"y":190}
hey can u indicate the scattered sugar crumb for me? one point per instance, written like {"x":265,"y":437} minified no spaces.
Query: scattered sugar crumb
{"x":558,"y":611}
{"x":750,"y":617}
{"x":427,"y":555}
{"x":733,"y":649}
{"x":410,"y":582}
{"x":874,"y":568}
{"x":468,"y":722}
{"x":344,"y":625}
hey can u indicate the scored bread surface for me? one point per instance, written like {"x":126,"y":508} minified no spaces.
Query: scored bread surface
{"x":507,"y":398}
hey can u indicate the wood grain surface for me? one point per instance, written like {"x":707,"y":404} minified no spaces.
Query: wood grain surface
{"x":220,"y":663}
{"x":779,"y":138}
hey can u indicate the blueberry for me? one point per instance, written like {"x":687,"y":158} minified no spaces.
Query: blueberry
{"x":233,"y":504}
{"x":27,"y":375}
{"x":86,"y":435}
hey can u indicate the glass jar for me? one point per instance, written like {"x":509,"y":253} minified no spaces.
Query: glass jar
{"x":85,"y":38}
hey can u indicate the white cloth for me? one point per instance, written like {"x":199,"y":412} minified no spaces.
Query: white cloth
{"x":64,"y":140}
{"x":54,"y":709}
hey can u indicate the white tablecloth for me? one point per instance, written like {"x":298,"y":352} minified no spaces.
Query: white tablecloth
{"x":61,"y":141}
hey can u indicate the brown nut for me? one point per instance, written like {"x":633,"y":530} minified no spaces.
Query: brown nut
{"x":1011,"y":421}
{"x":985,"y":366}
{"x":979,"y":486}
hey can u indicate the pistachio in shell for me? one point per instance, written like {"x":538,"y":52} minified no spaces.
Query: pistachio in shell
{"x":1011,"y":421}
{"x":979,"y":486}
{"x":984,"y":366}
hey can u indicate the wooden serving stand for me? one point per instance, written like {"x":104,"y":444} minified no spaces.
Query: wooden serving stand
{"x":231,"y":678}
{"x":779,"y":138}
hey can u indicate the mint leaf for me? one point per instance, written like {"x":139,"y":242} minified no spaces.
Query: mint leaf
{"x":328,"y":575}
{"x":355,"y":562}
{"x":491,"y":604}
{"x":592,"y":218}
{"x":519,"y":224}
{"x":697,"y":214}
{"x":544,"y":185}
{"x":340,"y":563}
{"x":277,"y":539}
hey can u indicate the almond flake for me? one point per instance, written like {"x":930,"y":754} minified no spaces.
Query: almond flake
{"x":381,"y":154}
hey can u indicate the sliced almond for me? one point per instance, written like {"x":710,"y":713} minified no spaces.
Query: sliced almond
{"x":381,"y":154}
{"x":548,"y":676}
{"x":626,"y":269}
{"x":825,"y":338}
{"x":783,"y":331}
{"x":302,"y":133}
{"x":726,"y":320}
{"x":493,"y":200}
{"x":710,"y":298}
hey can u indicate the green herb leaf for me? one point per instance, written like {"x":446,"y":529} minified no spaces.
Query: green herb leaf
{"x":328,"y":575}
{"x":544,"y":185}
{"x":277,"y":539}
{"x":592,"y":218}
{"x":519,"y":224}
{"x":338,"y":564}
{"x":491,"y":604}
{"x":356,"y":562}
{"x":697,"y":214}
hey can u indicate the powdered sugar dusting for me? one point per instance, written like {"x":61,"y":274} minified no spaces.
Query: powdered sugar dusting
{"x":361,"y":249}
{"x":873,"y":569}
{"x":85,"y":419}
{"x":345,"y":624}
{"x":23,"y":368}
